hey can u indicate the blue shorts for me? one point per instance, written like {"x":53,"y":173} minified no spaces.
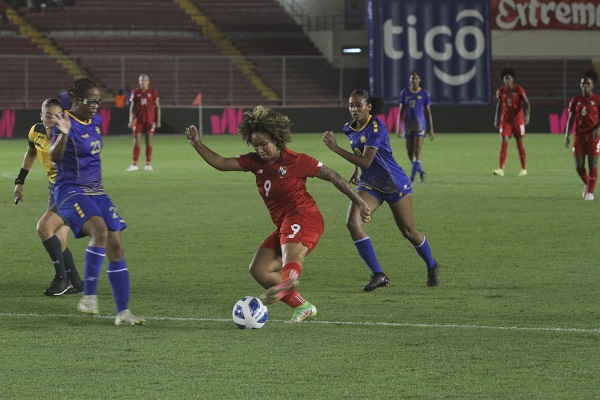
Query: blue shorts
{"x":390,"y":198}
{"x":413,"y":134}
{"x":76,"y":207}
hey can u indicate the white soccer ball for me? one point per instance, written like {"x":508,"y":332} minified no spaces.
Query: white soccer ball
{"x":250,"y":313}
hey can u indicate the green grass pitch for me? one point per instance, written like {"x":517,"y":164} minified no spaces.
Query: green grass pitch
{"x":516,"y":315}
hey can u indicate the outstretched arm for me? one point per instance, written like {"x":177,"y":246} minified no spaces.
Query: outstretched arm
{"x":213,"y":159}
{"x":340,"y":183}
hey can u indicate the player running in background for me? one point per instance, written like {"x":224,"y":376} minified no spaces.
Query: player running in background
{"x":583,"y":111}
{"x":281,"y":180}
{"x":415,"y":102}
{"x":50,"y":228}
{"x":379,"y":179}
{"x":83,"y":203}
{"x":144,"y":117}
{"x":516,"y":112}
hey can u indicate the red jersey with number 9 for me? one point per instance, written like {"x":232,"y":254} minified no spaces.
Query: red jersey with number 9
{"x":282,"y":184}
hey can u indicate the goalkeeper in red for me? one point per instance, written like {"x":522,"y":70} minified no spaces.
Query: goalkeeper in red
{"x":281,"y":181}
{"x":583,"y":112}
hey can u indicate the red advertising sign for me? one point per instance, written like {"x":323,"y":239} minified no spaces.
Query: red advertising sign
{"x":545,"y":14}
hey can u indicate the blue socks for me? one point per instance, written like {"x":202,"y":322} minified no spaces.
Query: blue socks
{"x":367,"y":253}
{"x":424,"y":251}
{"x":118,"y":276}
{"x":94,"y":257}
{"x":416,"y":168}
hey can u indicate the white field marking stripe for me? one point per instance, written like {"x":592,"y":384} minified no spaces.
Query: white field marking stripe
{"x":364,"y":323}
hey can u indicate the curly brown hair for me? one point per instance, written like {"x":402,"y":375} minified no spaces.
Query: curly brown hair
{"x":265,"y":120}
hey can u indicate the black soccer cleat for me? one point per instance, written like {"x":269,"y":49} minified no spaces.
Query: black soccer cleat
{"x":378,"y":279}
{"x":422,"y":176}
{"x":59,"y":286}
{"x":432,"y":276}
{"x":74,"y":289}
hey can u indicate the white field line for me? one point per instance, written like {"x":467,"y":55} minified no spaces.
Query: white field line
{"x":357,"y":323}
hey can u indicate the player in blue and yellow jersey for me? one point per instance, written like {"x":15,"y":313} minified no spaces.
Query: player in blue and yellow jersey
{"x":82,"y":201}
{"x":379,"y":179}
{"x":415,"y":104}
{"x":50,"y":228}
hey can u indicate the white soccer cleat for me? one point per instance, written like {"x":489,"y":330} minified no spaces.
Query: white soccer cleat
{"x":89,"y":304}
{"x":125,"y":317}
{"x":499,"y":172}
{"x":132,"y":168}
{"x":585,"y":191}
{"x":149,"y":168}
{"x":589,"y":197}
{"x":523,"y":172}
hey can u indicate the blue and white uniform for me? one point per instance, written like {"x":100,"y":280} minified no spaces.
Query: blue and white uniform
{"x":78,"y":191}
{"x":384,"y":178}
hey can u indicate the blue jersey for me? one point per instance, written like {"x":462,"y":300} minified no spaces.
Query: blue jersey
{"x":384,"y":174}
{"x":413,"y":106}
{"x":80,"y":165}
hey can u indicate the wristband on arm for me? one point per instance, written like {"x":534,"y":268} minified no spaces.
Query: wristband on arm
{"x":20,"y":179}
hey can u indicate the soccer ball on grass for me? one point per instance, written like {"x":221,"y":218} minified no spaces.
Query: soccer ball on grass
{"x":250,"y":313}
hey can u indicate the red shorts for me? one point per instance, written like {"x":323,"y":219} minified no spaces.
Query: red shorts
{"x":143,"y":127}
{"x":298,"y":228}
{"x":586,"y":145}
{"x":515,"y":128}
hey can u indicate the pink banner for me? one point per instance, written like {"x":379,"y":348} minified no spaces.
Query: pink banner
{"x":545,"y":14}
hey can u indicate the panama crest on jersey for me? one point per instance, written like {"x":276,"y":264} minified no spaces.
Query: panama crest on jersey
{"x":282,"y":171}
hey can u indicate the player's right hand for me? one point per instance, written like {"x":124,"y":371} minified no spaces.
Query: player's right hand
{"x":18,"y":192}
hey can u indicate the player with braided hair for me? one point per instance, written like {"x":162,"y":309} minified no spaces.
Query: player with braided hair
{"x":281,"y":180}
{"x":82,"y":201}
{"x":379,"y":179}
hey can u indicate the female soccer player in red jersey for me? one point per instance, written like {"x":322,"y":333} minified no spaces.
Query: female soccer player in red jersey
{"x":514,"y":101}
{"x":380,"y":179}
{"x":281,"y":180}
{"x":584,"y":111}
{"x":144,"y":118}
